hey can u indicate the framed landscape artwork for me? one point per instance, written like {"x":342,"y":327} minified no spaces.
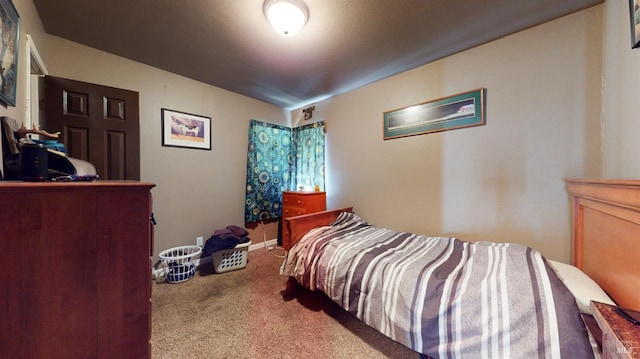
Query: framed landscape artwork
{"x":181,"y":129}
{"x":448,"y":113}
{"x":9,"y":40}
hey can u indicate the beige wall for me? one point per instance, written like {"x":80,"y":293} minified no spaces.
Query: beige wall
{"x":197,"y":191}
{"x":500,"y":182}
{"x":547,"y":98}
{"x":620,"y":96}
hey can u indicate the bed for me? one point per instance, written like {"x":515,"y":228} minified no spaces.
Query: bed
{"x":605,"y":234}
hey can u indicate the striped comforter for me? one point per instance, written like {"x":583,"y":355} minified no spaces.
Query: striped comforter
{"x":440,"y":296}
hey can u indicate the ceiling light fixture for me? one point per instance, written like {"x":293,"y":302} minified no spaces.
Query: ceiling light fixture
{"x":286,"y":16}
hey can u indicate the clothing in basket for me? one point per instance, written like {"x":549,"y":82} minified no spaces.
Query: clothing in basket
{"x":226,"y":238}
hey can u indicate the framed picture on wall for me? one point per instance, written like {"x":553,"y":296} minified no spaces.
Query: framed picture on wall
{"x":9,"y":40}
{"x":448,"y":113}
{"x":634,"y":12}
{"x":181,"y":129}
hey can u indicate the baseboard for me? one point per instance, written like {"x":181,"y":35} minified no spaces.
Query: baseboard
{"x":270,"y":244}
{"x":266,"y":245}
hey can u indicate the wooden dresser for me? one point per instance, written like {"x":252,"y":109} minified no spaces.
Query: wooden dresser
{"x":75,"y":274}
{"x":298,"y":203}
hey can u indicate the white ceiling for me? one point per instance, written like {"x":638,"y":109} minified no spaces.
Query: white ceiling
{"x":344,"y":45}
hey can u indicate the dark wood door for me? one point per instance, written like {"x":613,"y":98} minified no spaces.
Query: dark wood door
{"x":99,"y":124}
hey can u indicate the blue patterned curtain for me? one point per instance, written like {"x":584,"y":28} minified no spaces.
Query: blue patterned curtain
{"x":268,"y":170}
{"x":307,"y":149}
{"x":281,"y":159}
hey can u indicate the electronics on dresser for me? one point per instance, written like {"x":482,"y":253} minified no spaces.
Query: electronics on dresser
{"x":34,"y":162}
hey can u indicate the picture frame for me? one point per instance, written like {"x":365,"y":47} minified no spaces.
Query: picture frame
{"x":9,"y":41}
{"x":181,"y":129}
{"x":634,"y":15}
{"x":461,"y":110}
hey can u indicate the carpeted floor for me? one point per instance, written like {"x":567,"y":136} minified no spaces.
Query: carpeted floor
{"x":243,"y":314}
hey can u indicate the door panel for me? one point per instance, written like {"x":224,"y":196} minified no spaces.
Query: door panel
{"x":116,"y":145}
{"x":76,"y":141}
{"x":99,"y":124}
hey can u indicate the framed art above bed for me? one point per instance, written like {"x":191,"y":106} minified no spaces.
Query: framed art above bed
{"x":461,"y":110}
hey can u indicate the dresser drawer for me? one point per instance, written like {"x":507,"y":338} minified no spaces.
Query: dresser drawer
{"x":296,"y":200}
{"x":303,"y":202}
{"x":296,"y":203}
{"x":290,"y":211}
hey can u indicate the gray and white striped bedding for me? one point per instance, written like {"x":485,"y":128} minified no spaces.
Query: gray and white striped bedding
{"x":440,"y":296}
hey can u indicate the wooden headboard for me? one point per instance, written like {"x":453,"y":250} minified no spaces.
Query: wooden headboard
{"x":606,"y":235}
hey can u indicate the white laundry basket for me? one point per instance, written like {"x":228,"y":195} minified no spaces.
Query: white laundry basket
{"x":226,"y":260}
{"x":179,"y":263}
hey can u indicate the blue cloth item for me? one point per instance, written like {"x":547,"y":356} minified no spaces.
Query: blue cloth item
{"x":307,"y":150}
{"x":268,"y":170}
{"x":226,"y":238}
{"x":281,"y":159}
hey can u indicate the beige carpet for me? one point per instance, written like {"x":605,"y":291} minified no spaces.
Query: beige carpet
{"x":243,"y":314}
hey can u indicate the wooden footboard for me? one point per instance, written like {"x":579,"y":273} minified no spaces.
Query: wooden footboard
{"x":295,"y":227}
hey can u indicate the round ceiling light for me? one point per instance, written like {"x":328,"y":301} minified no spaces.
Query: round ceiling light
{"x":286,"y":16}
